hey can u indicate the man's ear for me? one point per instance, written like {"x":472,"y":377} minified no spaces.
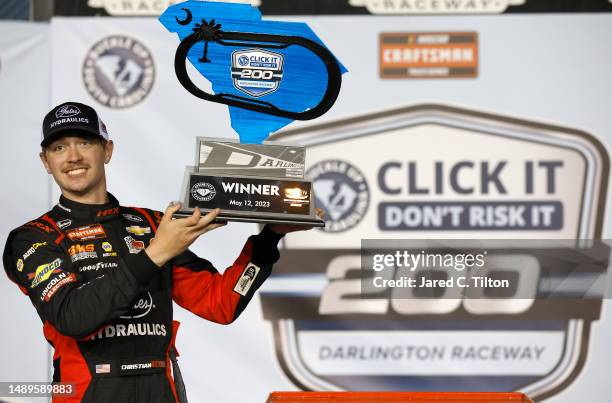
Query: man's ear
{"x":43,"y":158}
{"x":108,"y":151}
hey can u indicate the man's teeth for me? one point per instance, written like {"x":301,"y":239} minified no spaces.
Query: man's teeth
{"x":76,"y":171}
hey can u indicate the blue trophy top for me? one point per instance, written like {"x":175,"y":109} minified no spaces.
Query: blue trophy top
{"x":259,"y":70}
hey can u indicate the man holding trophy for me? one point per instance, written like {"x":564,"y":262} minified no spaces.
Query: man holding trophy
{"x":103,"y":277}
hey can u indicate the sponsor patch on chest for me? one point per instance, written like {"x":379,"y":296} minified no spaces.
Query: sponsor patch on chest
{"x":94,"y":231}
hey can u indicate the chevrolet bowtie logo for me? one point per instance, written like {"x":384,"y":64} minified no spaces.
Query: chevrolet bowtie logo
{"x":137,"y":230}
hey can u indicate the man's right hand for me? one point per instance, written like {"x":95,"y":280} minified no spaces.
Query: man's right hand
{"x":175,"y":236}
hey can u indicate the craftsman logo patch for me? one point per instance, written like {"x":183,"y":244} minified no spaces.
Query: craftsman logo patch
{"x":94,"y":231}
{"x":428,"y":55}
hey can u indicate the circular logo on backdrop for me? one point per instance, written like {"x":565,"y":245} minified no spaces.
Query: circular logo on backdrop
{"x":203,"y":191}
{"x":118,"y":71}
{"x":341,"y":191}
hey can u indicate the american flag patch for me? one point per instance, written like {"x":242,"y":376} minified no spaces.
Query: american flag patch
{"x":102,"y":368}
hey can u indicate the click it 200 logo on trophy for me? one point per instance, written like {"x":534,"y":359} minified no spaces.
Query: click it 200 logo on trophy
{"x":268,"y":73}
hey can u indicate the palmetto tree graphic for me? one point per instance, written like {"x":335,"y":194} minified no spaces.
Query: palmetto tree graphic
{"x":207,"y":31}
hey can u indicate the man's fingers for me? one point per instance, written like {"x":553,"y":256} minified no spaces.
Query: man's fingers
{"x":206,"y":220}
{"x":172,"y":208}
{"x":210,"y":217}
{"x":194,"y":218}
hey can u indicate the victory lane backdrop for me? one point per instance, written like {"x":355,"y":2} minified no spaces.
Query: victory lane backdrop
{"x":25,"y":57}
{"x":527,"y":69}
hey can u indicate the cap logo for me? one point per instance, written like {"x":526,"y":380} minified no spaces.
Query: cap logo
{"x":67,"y":111}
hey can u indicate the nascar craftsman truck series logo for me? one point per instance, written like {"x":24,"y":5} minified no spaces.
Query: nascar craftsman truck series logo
{"x":436,"y":172}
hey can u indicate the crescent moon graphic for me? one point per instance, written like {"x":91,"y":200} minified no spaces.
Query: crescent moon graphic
{"x":187,"y":20}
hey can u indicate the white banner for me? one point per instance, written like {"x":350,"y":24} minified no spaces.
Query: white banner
{"x":431,"y":353}
{"x":24,"y":99}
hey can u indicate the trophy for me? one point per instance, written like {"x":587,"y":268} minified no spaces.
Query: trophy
{"x":268,"y":73}
{"x":250,"y":183}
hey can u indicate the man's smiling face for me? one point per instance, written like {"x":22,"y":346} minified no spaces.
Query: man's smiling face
{"x":77,"y":164}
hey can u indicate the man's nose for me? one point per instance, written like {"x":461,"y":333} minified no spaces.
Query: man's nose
{"x":74,"y":153}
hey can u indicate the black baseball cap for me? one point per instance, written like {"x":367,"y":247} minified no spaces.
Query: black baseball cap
{"x":72,"y":117}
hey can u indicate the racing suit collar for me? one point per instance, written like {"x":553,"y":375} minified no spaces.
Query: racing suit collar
{"x":94,"y":212}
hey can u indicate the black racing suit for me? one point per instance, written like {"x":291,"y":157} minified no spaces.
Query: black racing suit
{"x":107,"y":308}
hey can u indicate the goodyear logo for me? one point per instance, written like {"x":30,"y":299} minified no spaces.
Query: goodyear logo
{"x":43,"y":272}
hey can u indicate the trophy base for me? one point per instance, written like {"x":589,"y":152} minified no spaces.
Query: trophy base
{"x":266,"y":219}
{"x":250,"y":183}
